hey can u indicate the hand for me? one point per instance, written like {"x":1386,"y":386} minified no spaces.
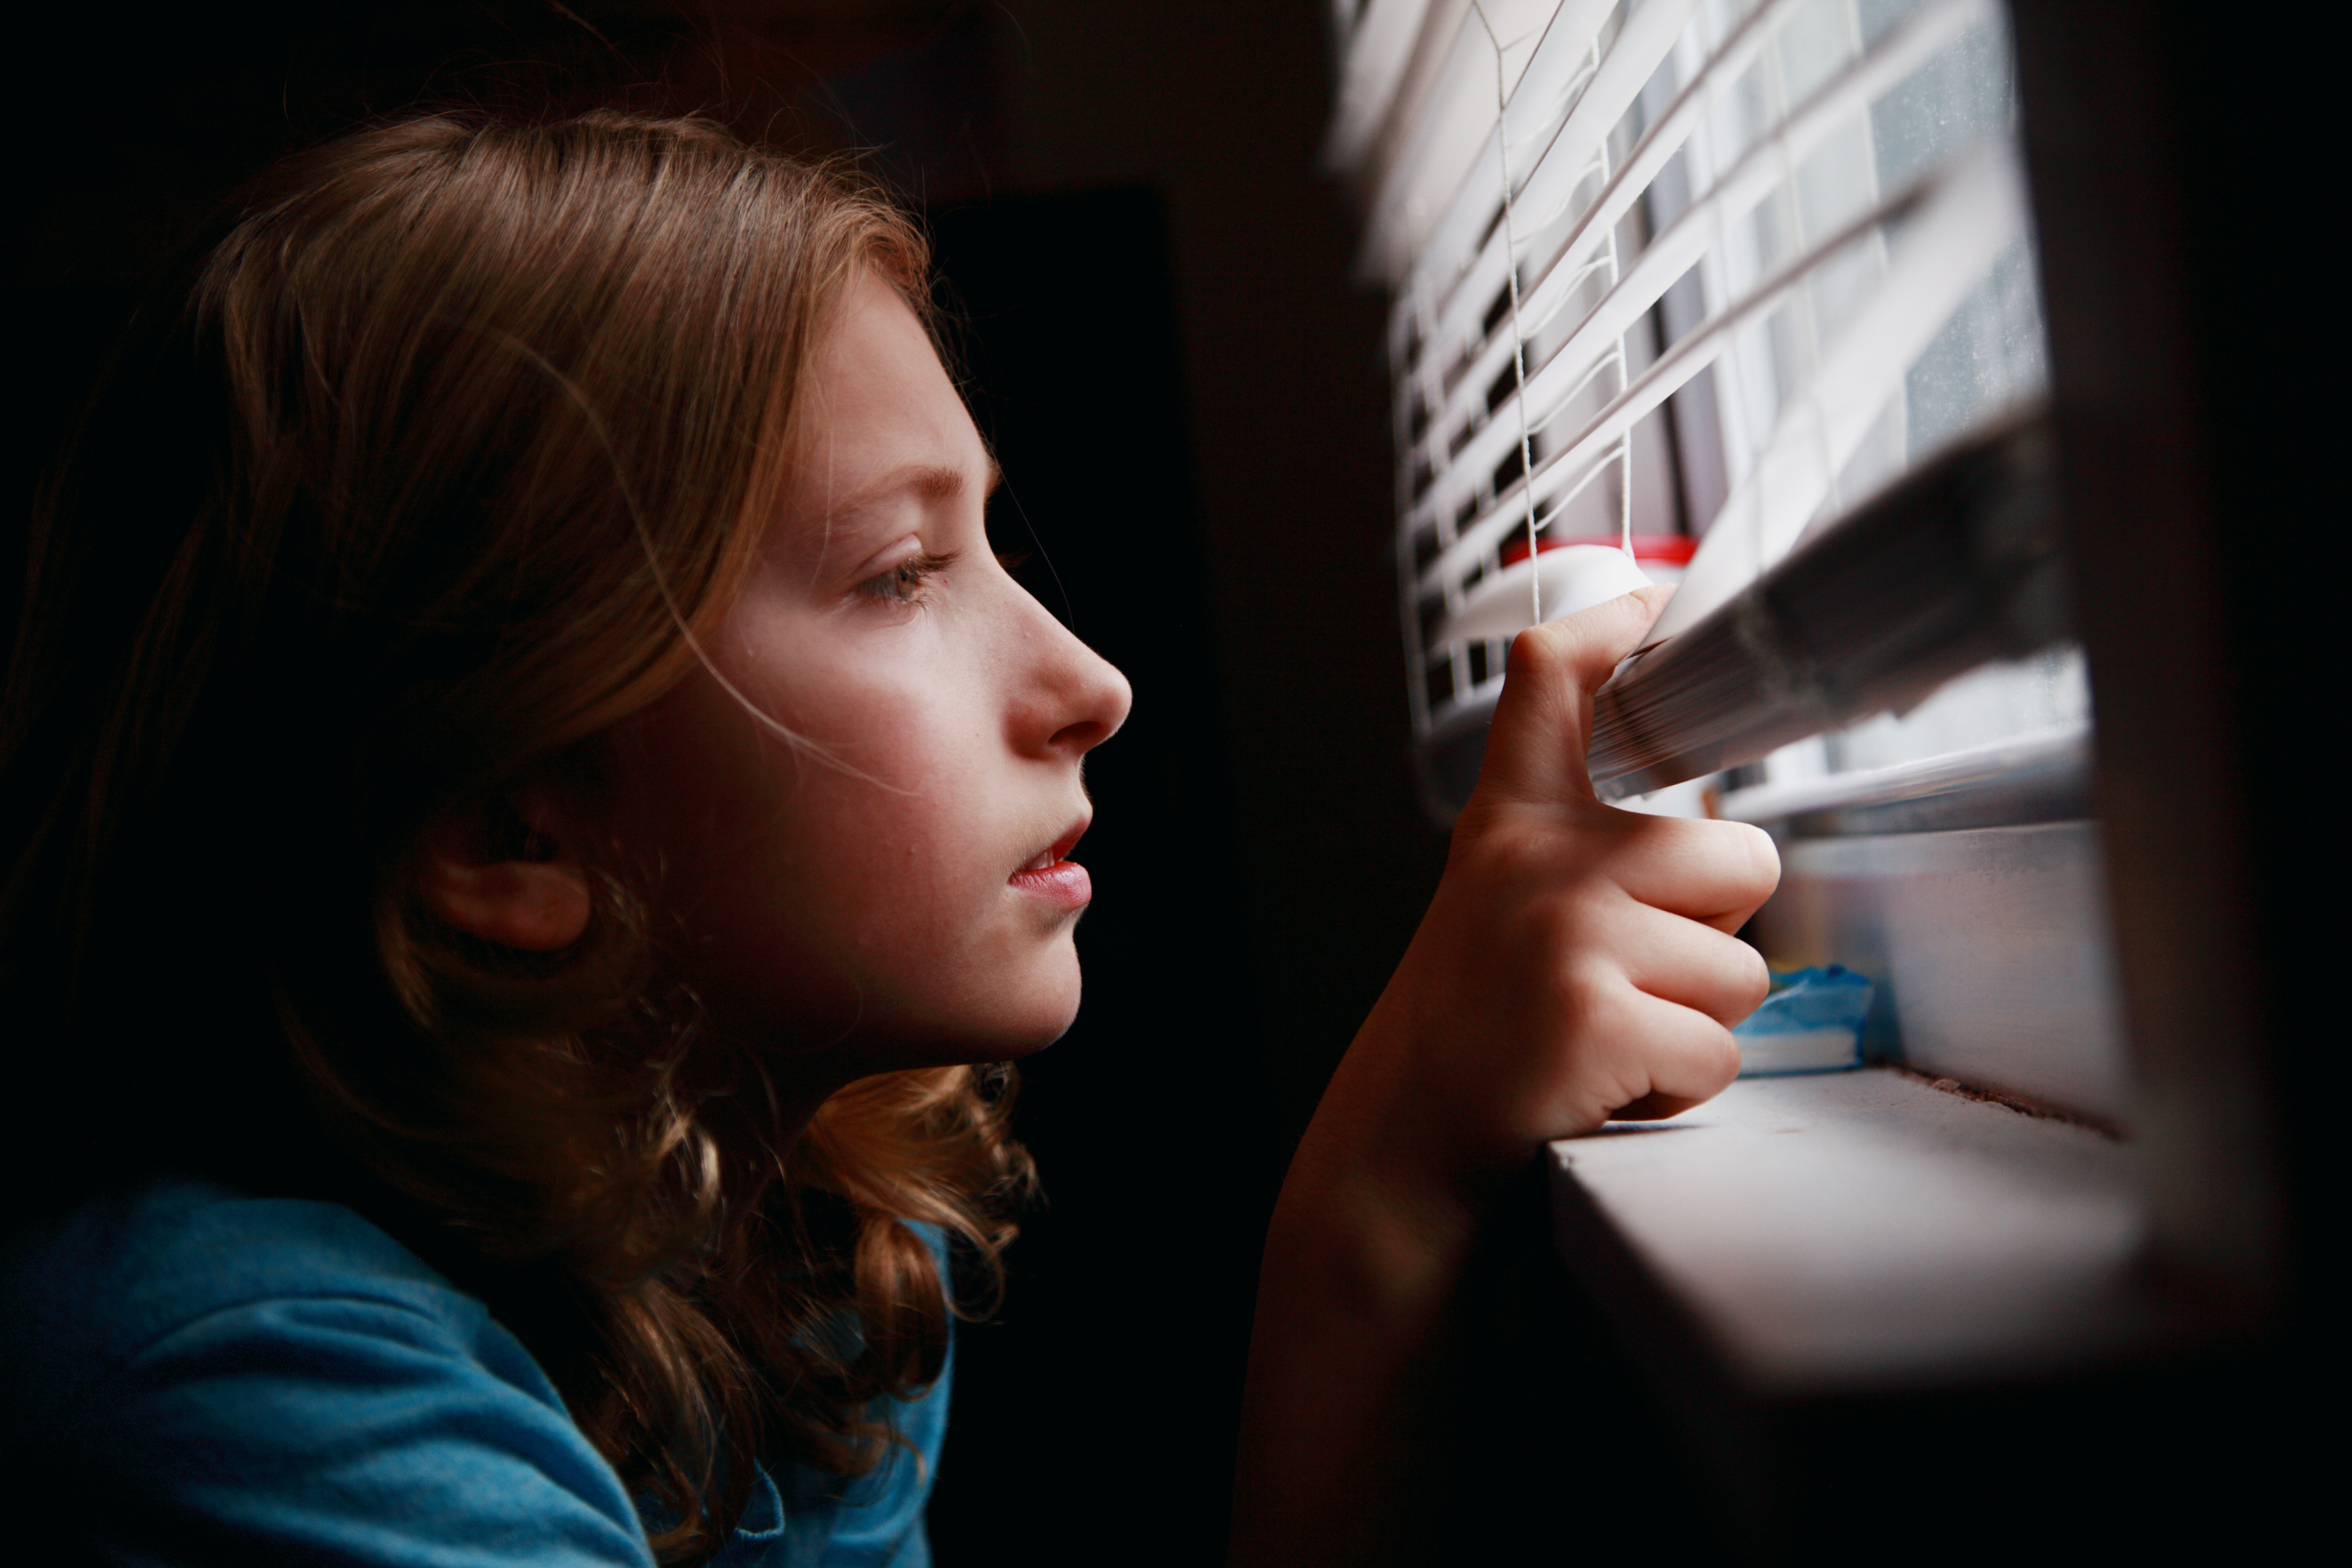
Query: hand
{"x":1578,"y":962}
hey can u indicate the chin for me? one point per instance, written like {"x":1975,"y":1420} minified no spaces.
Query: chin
{"x":965,"y":1051}
{"x":1018,"y":1009}
{"x":1039,"y":1013}
{"x":1025,"y":1039}
{"x":1022,"y":1033}
{"x":936,"y":1039}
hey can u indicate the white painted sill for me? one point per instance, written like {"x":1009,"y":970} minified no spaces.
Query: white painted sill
{"x":1855,"y":1232}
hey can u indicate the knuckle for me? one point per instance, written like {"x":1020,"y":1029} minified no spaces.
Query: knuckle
{"x":1532,"y":651}
{"x":1576,"y":986}
{"x":1591,"y":642}
{"x":1763,"y":860}
{"x":1739,"y":853}
{"x":1593,"y":1002}
{"x":1720,"y":1061}
{"x":1754,"y":982}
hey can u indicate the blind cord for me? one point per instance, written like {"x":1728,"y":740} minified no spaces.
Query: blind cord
{"x":1518,"y":341}
{"x":1624,"y":378}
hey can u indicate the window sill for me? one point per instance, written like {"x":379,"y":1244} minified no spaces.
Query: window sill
{"x":1857,"y":1232}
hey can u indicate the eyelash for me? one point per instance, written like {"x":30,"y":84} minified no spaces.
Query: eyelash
{"x":904,"y":584}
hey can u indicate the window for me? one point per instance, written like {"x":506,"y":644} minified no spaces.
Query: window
{"x":2111,"y":919}
{"x":1696,"y":277}
{"x":1747,"y":289}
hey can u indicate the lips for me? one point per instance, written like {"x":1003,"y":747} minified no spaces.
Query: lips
{"x":1045,"y":860}
{"x":1048,"y":876}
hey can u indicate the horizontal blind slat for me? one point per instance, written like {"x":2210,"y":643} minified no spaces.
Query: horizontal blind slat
{"x":1548,"y":188}
{"x":1701,"y":225}
{"x":1443,"y":149}
{"x":1689,"y":355}
{"x":1634,"y":56}
{"x":1951,"y":244}
{"x":1507,"y":153}
{"x":1803,"y":131}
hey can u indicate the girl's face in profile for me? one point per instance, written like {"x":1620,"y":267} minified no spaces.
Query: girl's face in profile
{"x":888,"y":896}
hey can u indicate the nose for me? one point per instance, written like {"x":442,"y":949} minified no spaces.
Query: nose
{"x":1076,"y":698}
{"x":1107,"y":698}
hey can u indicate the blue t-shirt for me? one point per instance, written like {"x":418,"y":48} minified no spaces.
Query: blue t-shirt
{"x":192,"y":1376}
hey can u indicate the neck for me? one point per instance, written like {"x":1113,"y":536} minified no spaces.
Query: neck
{"x":770,"y":1099}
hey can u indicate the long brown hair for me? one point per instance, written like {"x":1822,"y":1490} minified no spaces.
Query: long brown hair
{"x":425,"y":476}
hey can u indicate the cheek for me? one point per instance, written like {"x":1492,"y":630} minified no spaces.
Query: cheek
{"x":893,"y":871}
{"x":870,"y":887}
{"x":902,"y":851}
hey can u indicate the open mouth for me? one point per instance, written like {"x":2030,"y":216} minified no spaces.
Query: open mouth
{"x":1046,"y":859}
{"x":1050,"y":875}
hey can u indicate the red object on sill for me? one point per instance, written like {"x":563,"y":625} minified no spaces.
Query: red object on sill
{"x":1665,"y":549}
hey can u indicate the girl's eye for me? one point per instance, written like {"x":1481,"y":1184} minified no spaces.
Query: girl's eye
{"x":904,"y":584}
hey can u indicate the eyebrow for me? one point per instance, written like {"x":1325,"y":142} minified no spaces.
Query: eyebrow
{"x":933,"y":482}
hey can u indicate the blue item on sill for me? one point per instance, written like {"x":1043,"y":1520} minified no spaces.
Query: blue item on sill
{"x":1811,"y":1023}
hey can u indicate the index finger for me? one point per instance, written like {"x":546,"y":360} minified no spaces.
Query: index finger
{"x":1717,"y":873}
{"x":1543,"y":719}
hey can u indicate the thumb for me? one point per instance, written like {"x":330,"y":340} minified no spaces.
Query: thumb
{"x":1543,"y":719}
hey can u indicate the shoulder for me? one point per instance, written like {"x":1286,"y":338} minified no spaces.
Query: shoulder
{"x":876,"y":1520}
{"x":201,"y":1373}
{"x":86,"y":1293}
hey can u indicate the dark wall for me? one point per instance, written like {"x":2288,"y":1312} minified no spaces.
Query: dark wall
{"x":1135,"y":1276}
{"x":1221,"y":105}
{"x":1148,"y":283}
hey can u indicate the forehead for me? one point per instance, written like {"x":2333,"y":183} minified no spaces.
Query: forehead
{"x":878,"y":406}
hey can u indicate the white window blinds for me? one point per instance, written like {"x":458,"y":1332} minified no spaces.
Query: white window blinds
{"x":1708,"y":268}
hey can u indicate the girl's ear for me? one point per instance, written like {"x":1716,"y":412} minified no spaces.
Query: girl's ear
{"x":502,"y":873}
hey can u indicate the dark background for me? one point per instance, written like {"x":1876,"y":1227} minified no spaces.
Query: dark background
{"x":1147,"y":284}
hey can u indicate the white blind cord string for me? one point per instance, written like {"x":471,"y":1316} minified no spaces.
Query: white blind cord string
{"x":1624,"y":377}
{"x":1518,"y":341}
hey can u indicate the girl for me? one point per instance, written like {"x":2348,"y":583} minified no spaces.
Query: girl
{"x":536,"y":823}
